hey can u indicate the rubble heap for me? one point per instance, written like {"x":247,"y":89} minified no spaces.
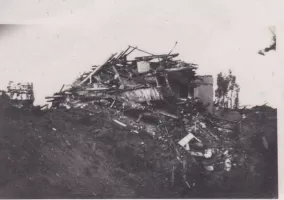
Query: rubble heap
{"x":145,"y":79}
{"x":154,"y":96}
{"x":136,"y":129}
{"x":20,"y":94}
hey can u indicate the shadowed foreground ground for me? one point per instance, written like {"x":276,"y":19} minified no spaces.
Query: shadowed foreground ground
{"x":75,"y":154}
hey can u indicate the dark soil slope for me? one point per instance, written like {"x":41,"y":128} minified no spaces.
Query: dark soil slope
{"x":79,"y":154}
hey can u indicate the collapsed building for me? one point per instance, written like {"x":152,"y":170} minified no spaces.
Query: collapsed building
{"x":155,"y":95}
{"x":150,"y":78}
{"x":20,"y":94}
{"x":162,"y":101}
{"x":151,"y":86}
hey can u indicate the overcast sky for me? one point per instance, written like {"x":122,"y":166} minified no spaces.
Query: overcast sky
{"x":56,"y":40}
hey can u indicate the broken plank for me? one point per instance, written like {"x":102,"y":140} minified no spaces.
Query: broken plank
{"x":118,"y":76}
{"x":62,"y":88}
{"x":133,"y":49}
{"x":50,"y":100}
{"x":119,"y":55}
{"x":120,"y":123}
{"x":97,"y":89}
{"x":167,"y":114}
{"x":142,"y":50}
{"x":156,"y":56}
{"x":124,"y":52}
{"x":97,"y":69}
{"x":55,"y":96}
{"x":187,"y":139}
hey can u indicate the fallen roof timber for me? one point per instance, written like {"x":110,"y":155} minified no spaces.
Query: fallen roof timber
{"x":157,"y":56}
{"x":133,"y":49}
{"x":97,"y":89}
{"x":141,"y":50}
{"x":97,"y":69}
{"x":118,"y":76}
{"x":123,"y":53}
{"x":55,"y":96}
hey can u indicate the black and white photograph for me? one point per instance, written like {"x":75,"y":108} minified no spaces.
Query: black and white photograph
{"x":124,"y":99}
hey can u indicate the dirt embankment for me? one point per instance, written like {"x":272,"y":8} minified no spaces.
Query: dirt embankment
{"x":79,"y":154}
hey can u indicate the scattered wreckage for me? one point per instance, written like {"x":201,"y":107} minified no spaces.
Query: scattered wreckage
{"x":162,"y":99}
{"x":153,"y":95}
{"x":20,"y":94}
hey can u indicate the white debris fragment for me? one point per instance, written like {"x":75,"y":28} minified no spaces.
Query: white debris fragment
{"x":83,"y":105}
{"x":68,"y":143}
{"x":66,"y":106}
{"x":188,"y":185}
{"x":228,"y":165}
{"x":187,"y":147}
{"x":134,"y":131}
{"x":209,"y":168}
{"x":202,"y":125}
{"x":208,"y":153}
{"x":226,"y":152}
{"x":187,"y":139}
{"x":179,"y":159}
{"x":199,"y":154}
{"x":120,"y":123}
{"x":54,"y":129}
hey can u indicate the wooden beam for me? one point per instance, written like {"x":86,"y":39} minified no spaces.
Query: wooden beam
{"x":62,"y":88}
{"x":97,"y":69}
{"x":118,"y":76}
{"x":133,"y":49}
{"x":157,"y":56}
{"x":119,"y":55}
{"x":142,"y":50}
{"x":97,"y":89}
{"x":124,"y":53}
{"x":55,"y":96}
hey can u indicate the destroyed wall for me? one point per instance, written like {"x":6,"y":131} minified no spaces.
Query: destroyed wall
{"x":20,"y":94}
{"x":204,"y":91}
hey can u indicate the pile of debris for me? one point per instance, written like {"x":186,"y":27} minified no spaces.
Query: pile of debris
{"x":160,"y":97}
{"x":19,"y":94}
{"x":147,"y":79}
{"x":143,"y":128}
